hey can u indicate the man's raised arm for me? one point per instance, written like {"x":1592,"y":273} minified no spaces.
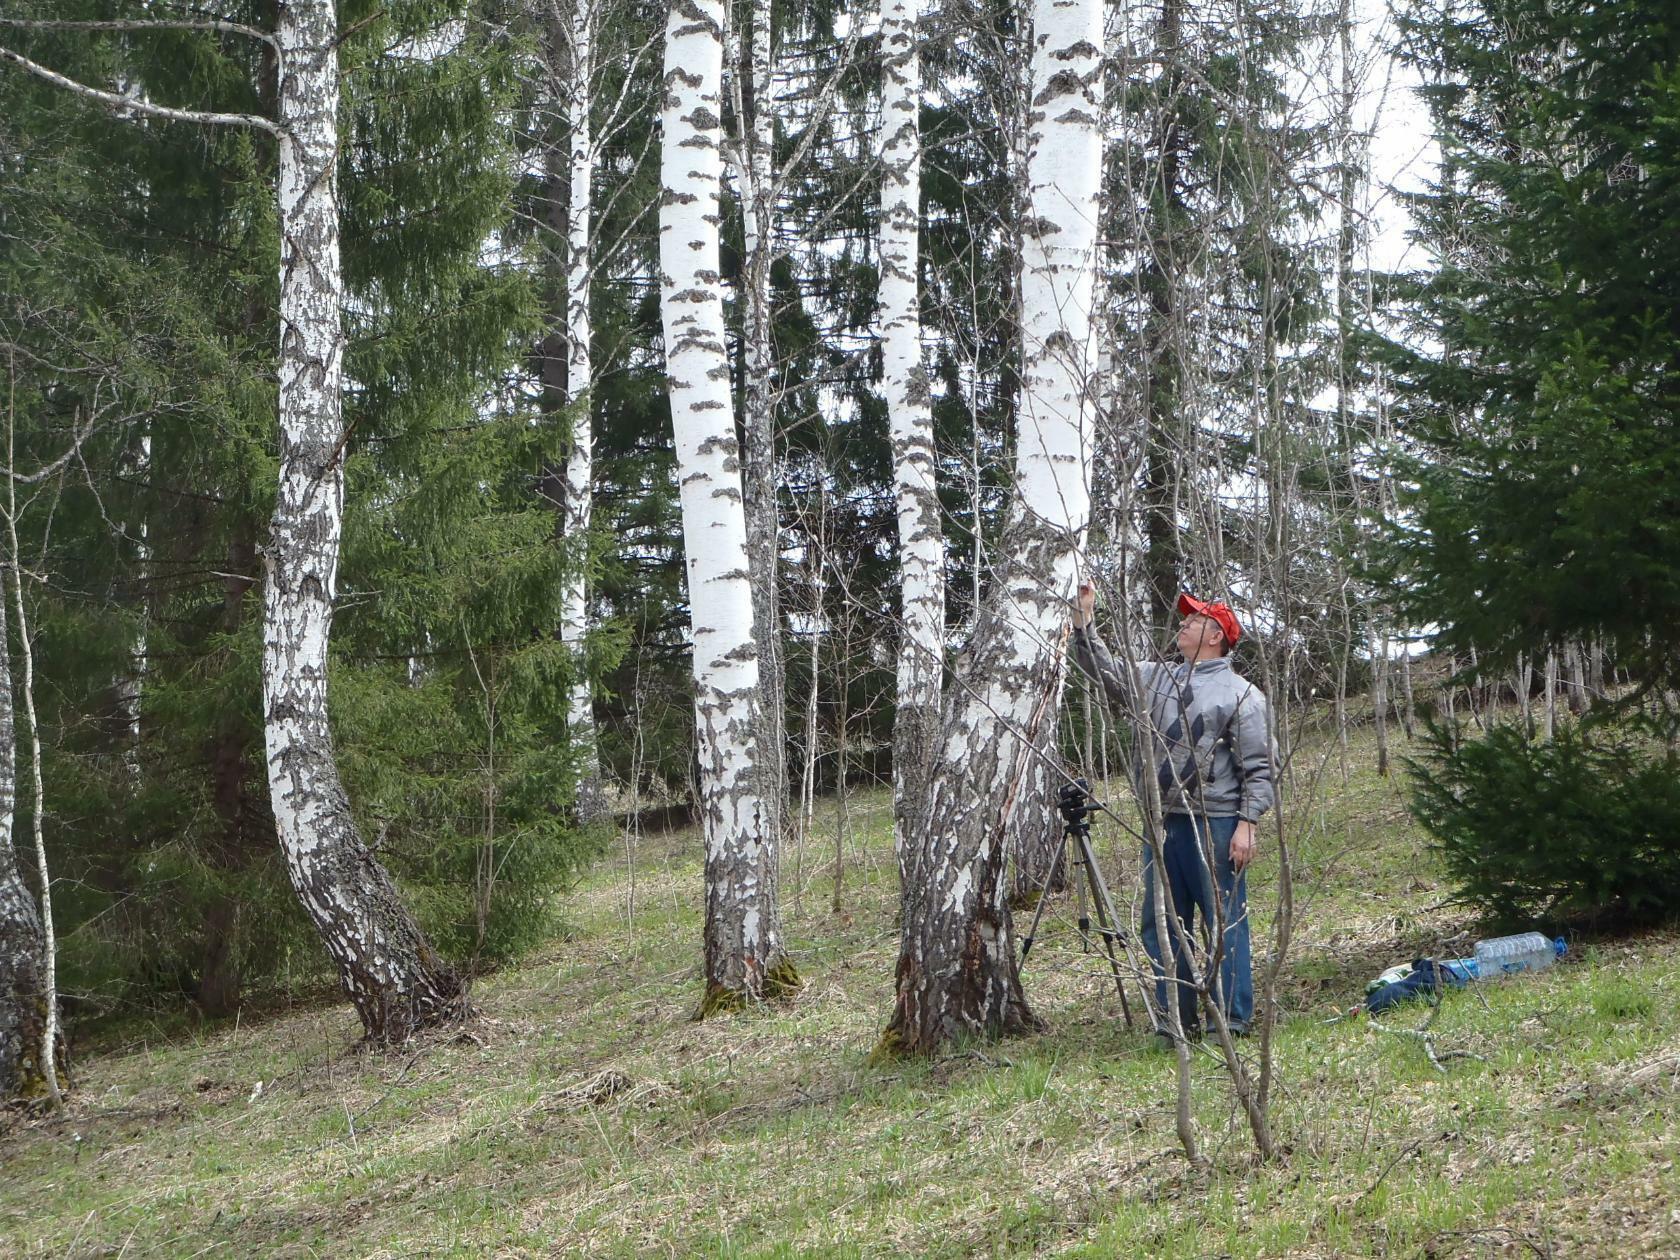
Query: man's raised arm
{"x":1092,"y":654}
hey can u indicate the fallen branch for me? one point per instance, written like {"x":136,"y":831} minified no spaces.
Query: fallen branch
{"x":1437,"y":1058}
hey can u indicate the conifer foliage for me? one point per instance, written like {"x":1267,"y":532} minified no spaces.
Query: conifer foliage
{"x":1539,"y":391}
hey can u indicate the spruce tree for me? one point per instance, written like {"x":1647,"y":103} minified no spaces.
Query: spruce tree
{"x":1538,"y":372}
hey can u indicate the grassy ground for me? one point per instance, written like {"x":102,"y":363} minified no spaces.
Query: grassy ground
{"x":584,"y":1114}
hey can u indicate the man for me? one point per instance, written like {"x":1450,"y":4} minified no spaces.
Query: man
{"x":1206,"y":741}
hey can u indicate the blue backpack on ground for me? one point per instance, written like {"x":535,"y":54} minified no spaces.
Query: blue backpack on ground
{"x":1428,"y":977}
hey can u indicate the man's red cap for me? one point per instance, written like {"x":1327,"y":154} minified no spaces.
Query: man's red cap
{"x":1222,"y":616}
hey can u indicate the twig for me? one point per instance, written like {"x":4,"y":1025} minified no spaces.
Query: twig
{"x":1410,"y":1148}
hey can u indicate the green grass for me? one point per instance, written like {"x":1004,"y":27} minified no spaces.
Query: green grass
{"x":585,"y":1114}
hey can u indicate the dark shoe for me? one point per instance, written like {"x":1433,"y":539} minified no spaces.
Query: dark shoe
{"x":1165,"y":1036}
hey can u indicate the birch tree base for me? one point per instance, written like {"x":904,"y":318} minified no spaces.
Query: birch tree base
{"x":780,"y":983}
{"x":957,"y":972}
{"x":23,"y":1003}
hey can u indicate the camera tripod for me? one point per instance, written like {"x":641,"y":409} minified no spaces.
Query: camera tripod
{"x":1076,"y":807}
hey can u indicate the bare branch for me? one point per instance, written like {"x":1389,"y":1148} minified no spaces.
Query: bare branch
{"x":116,"y":101}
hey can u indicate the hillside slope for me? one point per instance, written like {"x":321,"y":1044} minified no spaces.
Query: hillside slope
{"x":585,"y":1114}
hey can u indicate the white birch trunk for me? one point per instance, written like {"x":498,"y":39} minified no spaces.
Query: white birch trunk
{"x":1551,"y":682}
{"x":26,"y":996}
{"x":957,"y":970}
{"x":921,"y":540}
{"x":1578,"y":698}
{"x":131,"y":686}
{"x":1524,"y":688}
{"x":1408,"y":711}
{"x":755,"y":106}
{"x":744,"y":959}
{"x":384,"y":963}
{"x":1040,"y":844}
{"x":1379,"y":697}
{"x":580,"y":710}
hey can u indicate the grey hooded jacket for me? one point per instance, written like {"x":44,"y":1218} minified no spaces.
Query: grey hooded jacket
{"x":1210,"y":744}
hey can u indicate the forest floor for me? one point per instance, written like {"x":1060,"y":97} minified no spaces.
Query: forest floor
{"x":584,"y":1114}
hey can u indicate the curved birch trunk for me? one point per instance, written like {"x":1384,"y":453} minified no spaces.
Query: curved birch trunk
{"x":398,"y":984}
{"x":744,"y":958}
{"x":25,"y":995}
{"x":580,"y":710}
{"x":957,"y":968}
{"x":921,"y":540}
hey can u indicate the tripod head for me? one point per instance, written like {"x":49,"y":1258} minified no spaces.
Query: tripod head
{"x":1074,"y":802}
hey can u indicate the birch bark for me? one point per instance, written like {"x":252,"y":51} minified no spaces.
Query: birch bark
{"x":1040,"y":845}
{"x":921,"y":541}
{"x":24,"y":995}
{"x":957,"y":971}
{"x":579,"y":42}
{"x":759,"y":475}
{"x":130,"y":686}
{"x":744,"y":958}
{"x":387,"y":968}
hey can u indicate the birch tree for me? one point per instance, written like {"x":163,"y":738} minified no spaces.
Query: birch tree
{"x":957,"y":972}
{"x":744,"y":957}
{"x":572,"y":43}
{"x":754,"y":105}
{"x":391,"y":974}
{"x":27,"y":995}
{"x":921,"y":539}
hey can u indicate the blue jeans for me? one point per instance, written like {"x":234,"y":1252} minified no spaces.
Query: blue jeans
{"x":1187,"y":881}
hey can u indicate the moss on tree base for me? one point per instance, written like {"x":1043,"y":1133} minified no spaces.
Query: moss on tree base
{"x":781,"y":982}
{"x":889,"y":1049}
{"x":719,"y":1000}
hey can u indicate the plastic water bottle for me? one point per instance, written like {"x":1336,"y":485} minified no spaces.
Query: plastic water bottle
{"x":1464,"y":970}
{"x":1505,"y":955}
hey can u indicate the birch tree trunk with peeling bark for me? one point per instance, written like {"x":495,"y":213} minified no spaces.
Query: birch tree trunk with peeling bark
{"x":1040,"y":844}
{"x":24,"y":992}
{"x":904,"y":381}
{"x":385,"y":965}
{"x":580,"y":711}
{"x":957,"y":969}
{"x":744,"y":957}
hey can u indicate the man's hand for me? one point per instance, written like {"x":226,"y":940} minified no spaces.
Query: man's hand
{"x":1242,"y":844}
{"x":1085,"y":606}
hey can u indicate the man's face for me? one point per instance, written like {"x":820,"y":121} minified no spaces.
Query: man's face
{"x":1200,"y":638}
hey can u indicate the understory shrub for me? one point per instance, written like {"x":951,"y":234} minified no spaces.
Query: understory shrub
{"x":1585,"y":824}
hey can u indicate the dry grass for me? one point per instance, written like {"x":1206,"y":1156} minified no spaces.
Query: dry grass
{"x":586,"y":1115}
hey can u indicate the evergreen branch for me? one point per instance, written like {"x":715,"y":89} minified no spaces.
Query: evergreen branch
{"x":115,"y":101}
{"x":354,"y":27}
{"x":144,"y":24}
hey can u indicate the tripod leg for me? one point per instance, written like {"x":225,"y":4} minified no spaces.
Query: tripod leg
{"x":1108,"y":923}
{"x":1075,"y":855}
{"x":1038,"y":911}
